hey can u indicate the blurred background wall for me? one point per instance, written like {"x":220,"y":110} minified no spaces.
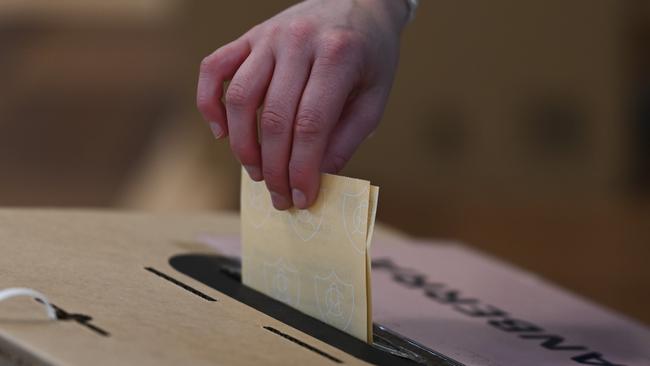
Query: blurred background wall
{"x":522,"y":128}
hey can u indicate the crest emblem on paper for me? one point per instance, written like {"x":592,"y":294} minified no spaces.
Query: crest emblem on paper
{"x":355,"y":219}
{"x":335,"y":300}
{"x":282,"y":282}
{"x":258,"y":202}
{"x":307,"y":223}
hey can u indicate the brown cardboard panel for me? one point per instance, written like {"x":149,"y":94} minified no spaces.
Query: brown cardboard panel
{"x":94,"y":263}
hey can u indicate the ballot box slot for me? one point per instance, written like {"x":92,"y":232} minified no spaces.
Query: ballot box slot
{"x":389,"y":348}
{"x":302,"y":344}
{"x":394,"y":343}
{"x":180,"y":284}
{"x":81,"y":319}
{"x":383,"y":338}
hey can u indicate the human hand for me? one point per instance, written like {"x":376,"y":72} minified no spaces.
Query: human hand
{"x":321,"y":71}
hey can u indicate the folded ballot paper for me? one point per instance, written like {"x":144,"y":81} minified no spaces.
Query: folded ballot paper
{"x":315,"y":260}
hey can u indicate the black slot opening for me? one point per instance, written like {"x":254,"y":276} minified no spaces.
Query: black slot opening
{"x":222,"y":274}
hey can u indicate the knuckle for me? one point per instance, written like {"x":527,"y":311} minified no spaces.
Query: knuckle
{"x":338,"y":46}
{"x":237,"y":95}
{"x":273,"y":122}
{"x":300,"y":30}
{"x":213,"y":61}
{"x":255,"y":31}
{"x":309,"y":124}
{"x":203,"y":103}
{"x":207,"y":64}
{"x":272,"y":31}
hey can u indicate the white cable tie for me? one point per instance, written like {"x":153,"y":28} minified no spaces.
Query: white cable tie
{"x":21,"y":291}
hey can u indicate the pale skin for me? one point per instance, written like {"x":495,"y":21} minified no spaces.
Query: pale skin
{"x":320,"y":74}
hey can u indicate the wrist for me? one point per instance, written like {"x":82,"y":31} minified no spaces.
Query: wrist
{"x":396,"y":12}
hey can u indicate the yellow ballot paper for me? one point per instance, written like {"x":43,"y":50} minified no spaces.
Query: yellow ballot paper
{"x":316,"y":260}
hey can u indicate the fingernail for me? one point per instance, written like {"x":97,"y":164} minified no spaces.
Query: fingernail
{"x":279,"y":201}
{"x":217,"y":131}
{"x":299,"y":198}
{"x":254,"y":172}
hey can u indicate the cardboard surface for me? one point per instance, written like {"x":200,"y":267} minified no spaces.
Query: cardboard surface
{"x":480,"y":311}
{"x":315,"y":260}
{"x":456,"y":301}
{"x":94,"y":264}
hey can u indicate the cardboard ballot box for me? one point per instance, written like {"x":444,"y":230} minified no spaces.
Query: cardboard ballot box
{"x":141,"y":289}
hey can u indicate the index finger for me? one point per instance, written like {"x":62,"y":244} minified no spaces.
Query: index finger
{"x":216,"y":68}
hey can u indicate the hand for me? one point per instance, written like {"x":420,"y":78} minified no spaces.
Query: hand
{"x":321,"y":71}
